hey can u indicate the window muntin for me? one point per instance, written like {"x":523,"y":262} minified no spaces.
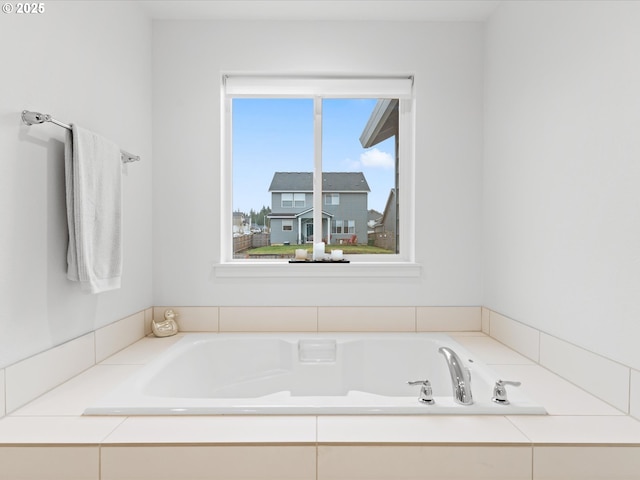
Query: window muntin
{"x":251,"y":89}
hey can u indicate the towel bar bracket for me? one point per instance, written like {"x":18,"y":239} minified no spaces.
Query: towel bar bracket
{"x":32,"y":118}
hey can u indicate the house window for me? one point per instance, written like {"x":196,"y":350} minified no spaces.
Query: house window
{"x":343,"y":226}
{"x":332,"y":199}
{"x":339,"y":142}
{"x":296,"y":200}
{"x":351,"y":226}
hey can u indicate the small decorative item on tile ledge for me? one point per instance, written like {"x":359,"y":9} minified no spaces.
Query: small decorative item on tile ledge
{"x":318,"y":251}
{"x":166,"y":327}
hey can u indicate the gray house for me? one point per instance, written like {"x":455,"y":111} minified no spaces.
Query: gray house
{"x":385,"y":227}
{"x":344,"y":208}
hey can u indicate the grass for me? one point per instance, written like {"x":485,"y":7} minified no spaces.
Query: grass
{"x":290,"y":250}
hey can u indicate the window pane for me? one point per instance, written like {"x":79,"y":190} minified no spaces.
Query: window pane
{"x":332,"y":199}
{"x":299,"y":200}
{"x":286,"y":200}
{"x":272,"y":154}
{"x":359,"y":164}
{"x":272,"y":160}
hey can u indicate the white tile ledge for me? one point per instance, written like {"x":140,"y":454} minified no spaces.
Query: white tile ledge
{"x":340,"y":270}
{"x":322,"y":430}
{"x":566,"y":430}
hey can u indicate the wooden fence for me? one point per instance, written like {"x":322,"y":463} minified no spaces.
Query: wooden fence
{"x":245,"y":242}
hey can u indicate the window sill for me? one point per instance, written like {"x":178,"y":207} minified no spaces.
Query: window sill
{"x":336,"y":270}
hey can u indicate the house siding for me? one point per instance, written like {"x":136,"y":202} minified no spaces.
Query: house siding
{"x":281,"y":236}
{"x":353,"y":206}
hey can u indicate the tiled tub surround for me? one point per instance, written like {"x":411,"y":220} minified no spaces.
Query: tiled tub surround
{"x":582,"y":437}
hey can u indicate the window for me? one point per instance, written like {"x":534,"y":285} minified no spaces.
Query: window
{"x":332,"y":199}
{"x":295,"y":145}
{"x":289,"y":200}
{"x":351,"y":226}
{"x":343,"y":226}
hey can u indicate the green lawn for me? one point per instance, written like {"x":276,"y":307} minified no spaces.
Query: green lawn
{"x":290,"y":250}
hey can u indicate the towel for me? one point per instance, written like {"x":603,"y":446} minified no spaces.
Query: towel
{"x":94,"y":210}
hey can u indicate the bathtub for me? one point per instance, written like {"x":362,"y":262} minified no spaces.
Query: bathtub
{"x":311,"y":374}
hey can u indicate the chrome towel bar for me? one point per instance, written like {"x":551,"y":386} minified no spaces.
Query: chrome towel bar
{"x":33,"y":118}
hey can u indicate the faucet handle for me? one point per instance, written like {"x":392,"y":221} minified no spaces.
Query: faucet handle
{"x":500,"y":392}
{"x":426,"y":392}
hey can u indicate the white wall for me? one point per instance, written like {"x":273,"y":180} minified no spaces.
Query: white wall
{"x":88,"y":63}
{"x":189,"y":58}
{"x":562,"y":171}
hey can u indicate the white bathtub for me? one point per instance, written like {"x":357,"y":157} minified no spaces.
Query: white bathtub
{"x":305,"y":374}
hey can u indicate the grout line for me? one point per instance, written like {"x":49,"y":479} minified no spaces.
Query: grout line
{"x":573,"y":345}
{"x":543,"y":332}
{"x":108,"y":434}
{"x":518,"y":429}
{"x":317,"y":452}
{"x":533,"y":452}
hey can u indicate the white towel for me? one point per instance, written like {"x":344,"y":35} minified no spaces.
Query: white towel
{"x":94,"y":210}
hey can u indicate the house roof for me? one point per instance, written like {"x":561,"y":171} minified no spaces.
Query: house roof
{"x":331,"y":182}
{"x":287,"y":215}
{"x":373,"y":215}
{"x":382,"y":124}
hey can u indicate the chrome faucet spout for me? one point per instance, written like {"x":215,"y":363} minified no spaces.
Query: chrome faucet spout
{"x":460,"y":377}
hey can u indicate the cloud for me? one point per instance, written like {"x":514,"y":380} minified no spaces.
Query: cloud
{"x":350,"y":165}
{"x":374,"y":158}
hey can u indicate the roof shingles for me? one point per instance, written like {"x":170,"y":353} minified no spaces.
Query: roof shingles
{"x":331,"y":182}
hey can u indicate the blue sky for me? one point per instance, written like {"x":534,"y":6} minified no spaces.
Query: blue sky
{"x":272,"y":135}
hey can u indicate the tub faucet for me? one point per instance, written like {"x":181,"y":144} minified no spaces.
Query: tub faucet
{"x":460,"y":377}
{"x":426,"y":392}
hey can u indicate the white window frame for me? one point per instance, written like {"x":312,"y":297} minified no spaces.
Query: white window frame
{"x":320,"y":87}
{"x":298,"y":200}
{"x":287,"y":223}
{"x":286,"y":196}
